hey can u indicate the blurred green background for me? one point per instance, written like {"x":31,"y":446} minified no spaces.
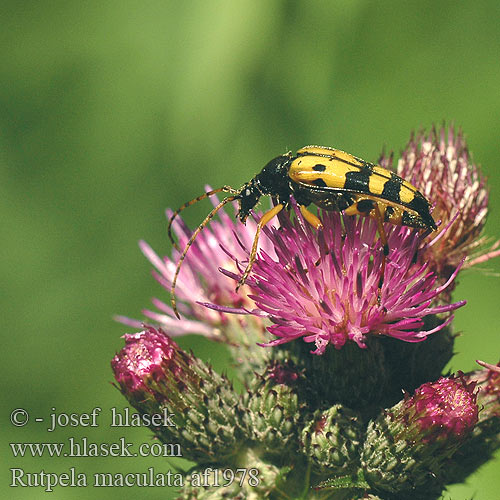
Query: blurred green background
{"x":111,"y":111}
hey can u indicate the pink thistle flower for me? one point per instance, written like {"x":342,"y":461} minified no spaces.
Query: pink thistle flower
{"x":200,"y":281}
{"x":322,"y":286}
{"x":439,"y":165}
{"x":443,"y":409}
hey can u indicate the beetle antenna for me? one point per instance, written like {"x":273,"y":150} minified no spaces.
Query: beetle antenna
{"x":193,"y":237}
{"x":225,"y":189}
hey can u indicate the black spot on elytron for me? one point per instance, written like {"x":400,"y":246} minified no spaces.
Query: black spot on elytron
{"x":365,"y":206}
{"x":319,"y":167}
{"x":389,"y":212}
{"x":358,"y":181}
{"x":392,"y":188}
{"x":319,"y":182}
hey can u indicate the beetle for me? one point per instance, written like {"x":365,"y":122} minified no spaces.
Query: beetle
{"x":328,"y":178}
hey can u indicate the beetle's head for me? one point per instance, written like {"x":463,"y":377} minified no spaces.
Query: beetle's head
{"x":272,"y":180}
{"x":248,"y":197}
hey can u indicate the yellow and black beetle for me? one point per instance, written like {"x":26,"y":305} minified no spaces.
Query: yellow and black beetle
{"x":332,"y":180}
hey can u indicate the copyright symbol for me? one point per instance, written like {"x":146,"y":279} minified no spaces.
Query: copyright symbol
{"x":19,"y":417}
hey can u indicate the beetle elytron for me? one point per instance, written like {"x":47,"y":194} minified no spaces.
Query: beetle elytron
{"x":332,"y":180}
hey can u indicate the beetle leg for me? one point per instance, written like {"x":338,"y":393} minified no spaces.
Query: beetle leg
{"x":352,"y":210}
{"x":251,"y":259}
{"x":313,"y":220}
{"x":310,"y":217}
{"x":385,"y":246}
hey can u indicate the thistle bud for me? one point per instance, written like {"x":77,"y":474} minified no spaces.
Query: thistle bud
{"x":331,"y":440}
{"x":273,"y":409}
{"x":409,"y":444}
{"x":252,"y":479}
{"x":485,"y":437}
{"x":153,"y":373}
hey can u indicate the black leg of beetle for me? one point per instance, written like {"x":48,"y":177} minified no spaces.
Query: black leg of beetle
{"x":251,"y":259}
{"x":225,"y":189}
{"x":188,"y":244}
{"x":385,"y":246}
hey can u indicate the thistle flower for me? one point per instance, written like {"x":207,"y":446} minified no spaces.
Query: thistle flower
{"x":200,"y":280}
{"x":410,"y":444}
{"x":322,"y":286}
{"x":313,"y":426}
{"x":156,"y":376}
{"x":439,"y":165}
